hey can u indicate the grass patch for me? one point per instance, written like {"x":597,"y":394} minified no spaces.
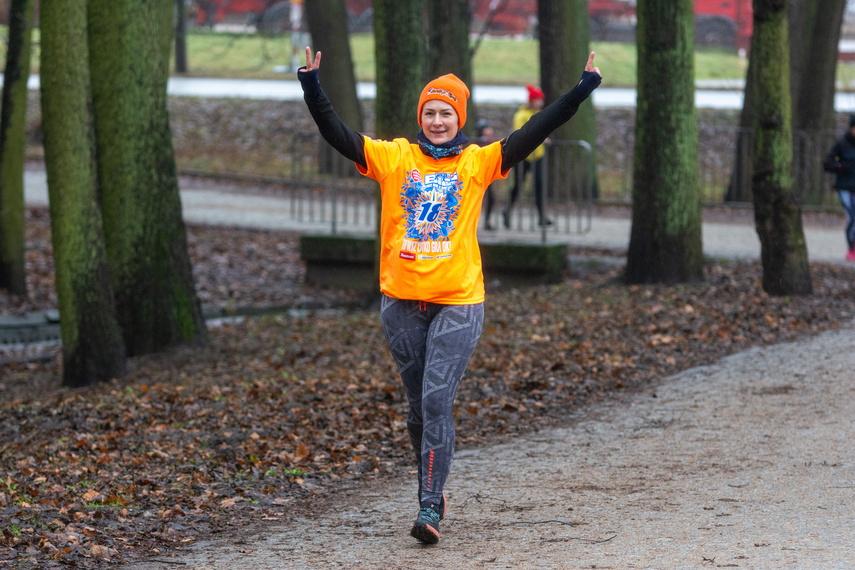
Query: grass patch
{"x":498,"y":61}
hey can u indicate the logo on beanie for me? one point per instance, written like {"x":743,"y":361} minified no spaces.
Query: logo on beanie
{"x":443,"y":92}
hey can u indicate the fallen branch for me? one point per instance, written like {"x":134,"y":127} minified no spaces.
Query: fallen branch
{"x":568,"y":523}
{"x":588,"y":540}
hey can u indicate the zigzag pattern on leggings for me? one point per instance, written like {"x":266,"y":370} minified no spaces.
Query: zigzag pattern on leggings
{"x":432,"y":349}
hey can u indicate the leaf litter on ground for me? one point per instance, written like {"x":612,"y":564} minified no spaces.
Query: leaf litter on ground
{"x":282,"y":408}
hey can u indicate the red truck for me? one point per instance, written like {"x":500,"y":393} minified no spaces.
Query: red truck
{"x":717,"y":22}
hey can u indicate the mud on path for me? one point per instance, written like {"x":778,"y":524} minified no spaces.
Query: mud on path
{"x":748,"y":463}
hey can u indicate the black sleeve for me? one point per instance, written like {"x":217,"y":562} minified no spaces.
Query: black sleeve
{"x":522,"y":142}
{"x":832,"y":159}
{"x":345,"y":140}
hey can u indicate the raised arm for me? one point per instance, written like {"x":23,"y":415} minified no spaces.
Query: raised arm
{"x":345,"y":140}
{"x":522,"y":142}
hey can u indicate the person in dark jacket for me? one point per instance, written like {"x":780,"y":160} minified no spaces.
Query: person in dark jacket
{"x":841,"y":161}
{"x":484,"y":136}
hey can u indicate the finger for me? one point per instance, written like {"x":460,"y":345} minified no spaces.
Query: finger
{"x":317,"y":60}
{"x":308,"y":58}
{"x":590,"y":65}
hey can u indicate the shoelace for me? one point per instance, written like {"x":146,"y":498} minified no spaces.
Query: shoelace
{"x":429,"y":514}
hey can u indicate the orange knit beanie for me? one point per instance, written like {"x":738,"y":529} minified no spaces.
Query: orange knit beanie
{"x":450,"y":89}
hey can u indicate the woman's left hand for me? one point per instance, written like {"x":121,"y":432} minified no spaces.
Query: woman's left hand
{"x":590,"y":65}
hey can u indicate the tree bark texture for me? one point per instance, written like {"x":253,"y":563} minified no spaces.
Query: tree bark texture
{"x":815,"y":27}
{"x":92,"y":347}
{"x":665,"y":241}
{"x":180,"y":36}
{"x":12,"y":148}
{"x":327,"y":20}
{"x":777,"y":215}
{"x":564,"y":48}
{"x":156,"y":302}
{"x":814,"y":33}
{"x":448,"y":47}
{"x":400,"y":56}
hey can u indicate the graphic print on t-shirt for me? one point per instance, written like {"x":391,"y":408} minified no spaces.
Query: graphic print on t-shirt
{"x":431,"y":206}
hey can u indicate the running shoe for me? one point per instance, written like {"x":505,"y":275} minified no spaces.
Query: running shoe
{"x":426,"y":527}
{"x":851,"y":255}
{"x":443,"y":506}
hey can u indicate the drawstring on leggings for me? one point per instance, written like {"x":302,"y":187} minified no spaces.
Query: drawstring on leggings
{"x":423,"y":305}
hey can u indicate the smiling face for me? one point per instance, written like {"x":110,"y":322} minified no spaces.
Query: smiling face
{"x":439,"y":121}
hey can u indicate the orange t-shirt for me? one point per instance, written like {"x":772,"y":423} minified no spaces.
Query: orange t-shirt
{"x":430,"y":210}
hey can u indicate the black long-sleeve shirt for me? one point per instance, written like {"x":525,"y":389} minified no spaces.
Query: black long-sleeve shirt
{"x":515,"y":147}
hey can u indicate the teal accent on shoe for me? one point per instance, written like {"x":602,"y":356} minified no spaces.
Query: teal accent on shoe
{"x":426,"y":527}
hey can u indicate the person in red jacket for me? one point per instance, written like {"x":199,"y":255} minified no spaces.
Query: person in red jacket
{"x":431,"y":284}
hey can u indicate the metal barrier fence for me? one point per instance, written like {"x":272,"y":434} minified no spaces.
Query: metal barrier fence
{"x":327,"y":193}
{"x":724,"y":167}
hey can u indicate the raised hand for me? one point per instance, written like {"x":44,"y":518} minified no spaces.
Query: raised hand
{"x":312,"y":65}
{"x":588,"y":67}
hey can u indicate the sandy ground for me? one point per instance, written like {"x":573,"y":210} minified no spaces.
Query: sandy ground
{"x":748,"y":463}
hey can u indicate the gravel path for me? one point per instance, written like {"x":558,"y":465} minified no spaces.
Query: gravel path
{"x":744,"y":464}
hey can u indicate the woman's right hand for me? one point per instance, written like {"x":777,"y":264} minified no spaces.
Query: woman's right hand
{"x":310,"y":64}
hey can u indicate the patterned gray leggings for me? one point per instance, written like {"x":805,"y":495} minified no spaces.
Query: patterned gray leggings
{"x":432,"y":345}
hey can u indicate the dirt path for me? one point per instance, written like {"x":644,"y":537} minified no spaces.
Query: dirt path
{"x":748,"y":463}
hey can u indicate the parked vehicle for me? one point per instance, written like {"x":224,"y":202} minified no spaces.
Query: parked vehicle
{"x":273,"y":16}
{"x":717,"y":22}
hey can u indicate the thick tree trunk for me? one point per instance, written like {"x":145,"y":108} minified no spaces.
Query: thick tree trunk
{"x":814,"y":32}
{"x":12,"y":147}
{"x":399,"y":51}
{"x":400,"y":56}
{"x":814,"y":36}
{"x":92,"y":347}
{"x":665,"y":241}
{"x":156,"y":301}
{"x":777,"y":215}
{"x":564,"y":48}
{"x":327,"y":21}
{"x":180,"y":36}
{"x":448,"y":48}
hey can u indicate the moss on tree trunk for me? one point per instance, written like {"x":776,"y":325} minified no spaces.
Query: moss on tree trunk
{"x":777,"y":215}
{"x":156,"y":302}
{"x":12,"y":148}
{"x":665,"y":242}
{"x":92,"y":346}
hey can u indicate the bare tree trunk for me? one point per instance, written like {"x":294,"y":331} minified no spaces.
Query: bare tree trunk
{"x":448,"y":48}
{"x":156,"y":302}
{"x":12,"y":148}
{"x":564,"y":48}
{"x":665,"y":242}
{"x":814,"y":32}
{"x":400,"y":56}
{"x":180,"y":36}
{"x":327,"y":21}
{"x":92,"y":348}
{"x":777,"y":215}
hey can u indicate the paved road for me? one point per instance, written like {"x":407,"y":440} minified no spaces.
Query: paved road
{"x":709,"y":94}
{"x":205,"y":204}
{"x":747,"y":463}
